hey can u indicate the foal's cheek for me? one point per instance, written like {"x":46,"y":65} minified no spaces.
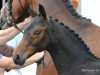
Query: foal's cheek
{"x":30,"y":50}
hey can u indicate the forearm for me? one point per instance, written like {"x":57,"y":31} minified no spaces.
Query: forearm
{"x":9,"y":33}
{"x":8,"y":63}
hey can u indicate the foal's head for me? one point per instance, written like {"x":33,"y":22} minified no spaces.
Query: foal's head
{"x":35,"y":39}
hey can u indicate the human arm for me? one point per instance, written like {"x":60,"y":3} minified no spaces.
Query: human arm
{"x":7,"y":63}
{"x":9,"y":33}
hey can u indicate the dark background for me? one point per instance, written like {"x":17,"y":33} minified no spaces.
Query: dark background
{"x":0,"y":4}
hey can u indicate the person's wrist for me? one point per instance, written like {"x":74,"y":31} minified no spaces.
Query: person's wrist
{"x":21,"y":25}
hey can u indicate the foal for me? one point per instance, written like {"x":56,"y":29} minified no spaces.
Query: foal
{"x":70,"y":54}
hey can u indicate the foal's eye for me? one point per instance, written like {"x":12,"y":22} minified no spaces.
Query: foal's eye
{"x":37,"y":33}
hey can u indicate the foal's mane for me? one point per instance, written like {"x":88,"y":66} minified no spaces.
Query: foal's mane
{"x":73,"y":11}
{"x":79,"y":38}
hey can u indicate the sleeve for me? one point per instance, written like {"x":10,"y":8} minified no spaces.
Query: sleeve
{"x":1,"y":56}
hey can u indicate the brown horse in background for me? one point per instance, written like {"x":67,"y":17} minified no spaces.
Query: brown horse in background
{"x":18,"y":14}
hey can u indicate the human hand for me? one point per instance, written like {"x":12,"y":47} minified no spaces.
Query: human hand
{"x":27,"y":20}
{"x":37,"y":56}
{"x":23,"y":24}
{"x":34,"y":58}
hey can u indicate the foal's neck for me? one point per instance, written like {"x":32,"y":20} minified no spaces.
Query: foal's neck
{"x":67,"y":50}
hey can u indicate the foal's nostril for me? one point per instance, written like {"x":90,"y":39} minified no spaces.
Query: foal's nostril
{"x":17,"y":60}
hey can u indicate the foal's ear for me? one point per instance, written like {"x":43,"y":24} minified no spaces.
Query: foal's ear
{"x":42,"y":12}
{"x":31,"y":12}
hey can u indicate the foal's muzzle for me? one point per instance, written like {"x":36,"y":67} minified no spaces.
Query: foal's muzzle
{"x":18,"y":60}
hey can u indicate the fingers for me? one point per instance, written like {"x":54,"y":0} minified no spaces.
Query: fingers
{"x":40,"y":54}
{"x":28,"y":20}
{"x":37,"y":56}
